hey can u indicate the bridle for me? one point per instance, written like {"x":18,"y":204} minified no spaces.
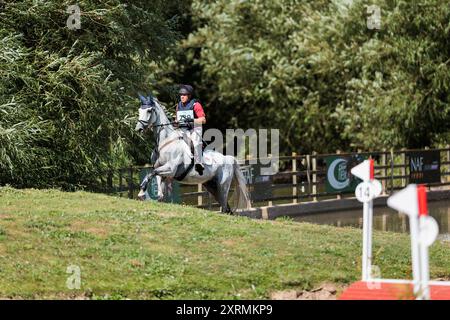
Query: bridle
{"x":146,"y":125}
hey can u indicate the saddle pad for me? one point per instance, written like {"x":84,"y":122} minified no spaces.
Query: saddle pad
{"x":208,"y":160}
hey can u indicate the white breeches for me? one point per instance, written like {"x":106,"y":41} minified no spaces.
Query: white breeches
{"x":196,"y":136}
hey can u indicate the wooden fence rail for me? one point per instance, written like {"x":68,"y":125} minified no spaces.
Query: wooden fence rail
{"x":301,"y":178}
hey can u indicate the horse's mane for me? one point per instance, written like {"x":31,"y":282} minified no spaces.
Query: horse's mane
{"x":169,"y":115}
{"x":163,"y":107}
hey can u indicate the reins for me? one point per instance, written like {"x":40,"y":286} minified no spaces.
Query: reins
{"x":161,"y":125}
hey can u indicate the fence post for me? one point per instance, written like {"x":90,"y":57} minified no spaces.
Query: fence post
{"x":384,"y":222}
{"x":314,"y":168}
{"x":384,"y":164}
{"x":392,"y":170}
{"x":200,"y":196}
{"x":308,"y":173}
{"x":270,"y":202}
{"x":403,"y":222}
{"x":403,"y":168}
{"x":294,"y":176}
{"x":130,"y":182}
{"x":338,"y":196}
{"x":448,"y":159}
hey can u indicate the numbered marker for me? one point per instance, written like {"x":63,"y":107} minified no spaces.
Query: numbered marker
{"x":365,"y":191}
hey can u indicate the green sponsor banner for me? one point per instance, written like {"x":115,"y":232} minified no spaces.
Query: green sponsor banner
{"x":260,"y":186}
{"x":171,"y":195}
{"x":338,"y":176}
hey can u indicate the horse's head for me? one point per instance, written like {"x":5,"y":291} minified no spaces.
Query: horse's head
{"x":147,"y":114}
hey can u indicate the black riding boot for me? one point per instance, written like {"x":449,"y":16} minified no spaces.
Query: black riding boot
{"x":199,"y":168}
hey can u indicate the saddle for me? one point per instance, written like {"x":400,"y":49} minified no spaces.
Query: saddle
{"x":186,"y":170}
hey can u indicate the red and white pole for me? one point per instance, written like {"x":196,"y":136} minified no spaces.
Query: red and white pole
{"x":367,"y":230}
{"x":365,"y":192}
{"x":429,"y":230}
{"x":412,"y":200}
{"x":423,"y":249}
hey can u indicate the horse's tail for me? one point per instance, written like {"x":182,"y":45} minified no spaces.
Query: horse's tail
{"x":241,"y":198}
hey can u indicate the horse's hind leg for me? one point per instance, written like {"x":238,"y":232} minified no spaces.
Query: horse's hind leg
{"x":213,"y":188}
{"x":228,"y":209}
{"x":224,"y":192}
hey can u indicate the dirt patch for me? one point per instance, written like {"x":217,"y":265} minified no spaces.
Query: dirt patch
{"x":51,"y":296}
{"x":326,"y":291}
{"x":229,"y":242}
{"x":83,"y":226}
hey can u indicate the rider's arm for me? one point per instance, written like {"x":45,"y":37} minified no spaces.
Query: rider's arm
{"x":201,"y":120}
{"x":201,"y":117}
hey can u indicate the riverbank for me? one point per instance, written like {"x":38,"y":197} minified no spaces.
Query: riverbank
{"x":147,"y":250}
{"x":329,"y":205}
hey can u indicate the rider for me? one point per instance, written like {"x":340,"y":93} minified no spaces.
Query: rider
{"x":190,"y":118}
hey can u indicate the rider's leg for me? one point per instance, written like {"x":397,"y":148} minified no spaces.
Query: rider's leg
{"x":196,"y":137}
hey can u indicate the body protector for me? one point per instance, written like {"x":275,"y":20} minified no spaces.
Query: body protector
{"x":185,"y":117}
{"x":186,"y":114}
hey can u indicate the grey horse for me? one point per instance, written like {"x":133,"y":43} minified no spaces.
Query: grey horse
{"x":174,"y":160}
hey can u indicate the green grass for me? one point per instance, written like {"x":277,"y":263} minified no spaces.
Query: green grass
{"x":149,"y":250}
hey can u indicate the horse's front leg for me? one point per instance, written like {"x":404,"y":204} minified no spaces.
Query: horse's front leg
{"x":161,"y":187}
{"x":166,"y":170}
{"x":144,"y":185}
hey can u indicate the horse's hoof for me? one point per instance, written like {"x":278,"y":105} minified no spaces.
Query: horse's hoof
{"x":141,"y":195}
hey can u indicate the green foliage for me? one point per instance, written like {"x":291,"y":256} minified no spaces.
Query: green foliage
{"x":311,"y":68}
{"x":68,"y":98}
{"x":316,"y":71}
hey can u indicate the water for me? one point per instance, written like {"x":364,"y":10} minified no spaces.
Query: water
{"x":385,"y":219}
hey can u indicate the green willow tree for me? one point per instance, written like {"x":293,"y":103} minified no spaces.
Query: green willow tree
{"x":320,"y":73}
{"x":68,"y":98}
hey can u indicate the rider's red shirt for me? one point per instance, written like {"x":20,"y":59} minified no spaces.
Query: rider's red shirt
{"x":198,"y":110}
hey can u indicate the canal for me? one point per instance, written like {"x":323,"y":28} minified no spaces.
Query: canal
{"x":385,"y":219}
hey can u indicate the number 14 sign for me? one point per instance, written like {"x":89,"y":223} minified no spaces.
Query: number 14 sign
{"x":365,"y":192}
{"x":370,"y":188}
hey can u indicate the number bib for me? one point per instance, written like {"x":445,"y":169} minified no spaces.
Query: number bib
{"x":185,"y":116}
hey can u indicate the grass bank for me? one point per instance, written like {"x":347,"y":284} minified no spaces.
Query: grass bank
{"x":131,"y":249}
